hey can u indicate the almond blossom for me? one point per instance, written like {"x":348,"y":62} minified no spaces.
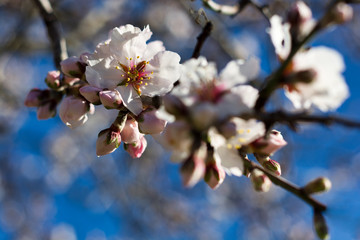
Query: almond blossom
{"x":125,"y":62}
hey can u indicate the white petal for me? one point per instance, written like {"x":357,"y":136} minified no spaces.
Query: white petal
{"x":166,"y":70}
{"x":131,"y":99}
{"x":230,"y":160}
{"x":153,"y":48}
{"x":280,"y":36}
{"x":240,"y":71}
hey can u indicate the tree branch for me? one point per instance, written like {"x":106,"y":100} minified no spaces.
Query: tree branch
{"x":54,"y":31}
{"x":283,"y":183}
{"x":201,"y":39}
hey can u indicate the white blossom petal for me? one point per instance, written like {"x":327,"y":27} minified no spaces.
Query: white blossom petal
{"x":131,"y":99}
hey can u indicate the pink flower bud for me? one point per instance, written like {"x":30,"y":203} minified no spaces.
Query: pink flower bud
{"x":46,"y":111}
{"x":272,"y":166}
{"x":214,"y":175}
{"x":149,"y":123}
{"x":318,"y":185}
{"x":342,"y":13}
{"x":91,"y":93}
{"x":33,"y":98}
{"x":53,"y":79}
{"x":193,"y":169}
{"x":108,"y":141}
{"x":299,"y":13}
{"x":110,"y":99}
{"x":260,"y":181}
{"x":73,"y":67}
{"x":269,"y":145}
{"x":136,"y":149}
{"x":73,"y":111}
{"x":130,"y":132}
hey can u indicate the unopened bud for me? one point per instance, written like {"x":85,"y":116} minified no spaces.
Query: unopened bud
{"x":46,"y":111}
{"x":299,"y":13}
{"x":149,"y":123}
{"x":136,"y":149}
{"x":269,"y":145}
{"x":320,"y":226}
{"x":53,"y":79}
{"x":110,"y":99}
{"x":214,"y":175}
{"x":73,"y":67}
{"x":70,"y":80}
{"x":272,"y":166}
{"x":342,"y":13}
{"x":193,"y":169}
{"x":130,"y":133}
{"x":318,"y":185}
{"x":91,"y":93}
{"x":33,"y":98}
{"x":108,"y":141}
{"x":73,"y":111}
{"x":260,"y":181}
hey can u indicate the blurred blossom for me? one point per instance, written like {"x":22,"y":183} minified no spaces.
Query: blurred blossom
{"x":63,"y":231}
{"x":12,"y":216}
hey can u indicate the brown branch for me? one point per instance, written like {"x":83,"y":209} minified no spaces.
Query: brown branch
{"x":201,"y":39}
{"x":293,"y":118}
{"x":54,"y":31}
{"x":283,"y":183}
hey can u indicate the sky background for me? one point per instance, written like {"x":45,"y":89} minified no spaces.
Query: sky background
{"x":52,"y":185}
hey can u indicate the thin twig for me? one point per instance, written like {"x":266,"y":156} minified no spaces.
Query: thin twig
{"x":290,"y":187}
{"x":201,"y":39}
{"x":54,"y":31}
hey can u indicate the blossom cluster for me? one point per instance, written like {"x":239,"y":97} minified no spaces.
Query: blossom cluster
{"x":204,"y":118}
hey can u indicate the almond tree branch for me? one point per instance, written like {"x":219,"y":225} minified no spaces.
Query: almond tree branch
{"x":201,"y":39}
{"x":290,"y":187}
{"x":54,"y":30}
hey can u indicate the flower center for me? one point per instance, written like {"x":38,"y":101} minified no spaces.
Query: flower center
{"x":134,"y":73}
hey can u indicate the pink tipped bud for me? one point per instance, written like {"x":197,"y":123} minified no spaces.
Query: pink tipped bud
{"x":136,"y":149}
{"x":203,"y":115}
{"x":73,"y":111}
{"x":33,"y":99}
{"x":260,"y":181}
{"x":53,"y":79}
{"x":108,"y":141}
{"x":342,"y":13}
{"x":91,"y":93}
{"x":46,"y":111}
{"x":73,"y":67}
{"x":320,"y":226}
{"x":193,"y":169}
{"x":272,"y":166}
{"x":214,"y":175}
{"x":110,"y":99}
{"x":318,"y":185}
{"x":149,"y":123}
{"x":130,"y":132}
{"x":268,"y":146}
{"x":299,"y":13}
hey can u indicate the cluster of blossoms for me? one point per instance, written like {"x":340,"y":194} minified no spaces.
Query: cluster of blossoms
{"x":206,"y":119}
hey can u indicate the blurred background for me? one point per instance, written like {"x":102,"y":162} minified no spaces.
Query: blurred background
{"x":52,"y":185}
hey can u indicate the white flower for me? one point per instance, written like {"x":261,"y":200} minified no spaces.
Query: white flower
{"x":125,"y":62}
{"x":200,"y":84}
{"x":328,"y":89}
{"x":226,"y":150}
{"x":280,"y":36}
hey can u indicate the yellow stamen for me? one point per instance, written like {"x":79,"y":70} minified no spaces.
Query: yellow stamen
{"x":138,"y":57}
{"x":229,"y":146}
{"x":117,"y":67}
{"x":241,"y":131}
{"x":248,"y":131}
{"x":127,"y":58}
{"x":130,"y":58}
{"x":242,"y":140}
{"x":149,"y":78}
{"x":146,"y":84}
{"x":237,"y":146}
{"x":128,"y":79}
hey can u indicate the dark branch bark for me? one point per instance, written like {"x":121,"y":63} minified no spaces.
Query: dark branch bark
{"x":290,"y":187}
{"x":201,"y":39}
{"x":54,"y":30}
